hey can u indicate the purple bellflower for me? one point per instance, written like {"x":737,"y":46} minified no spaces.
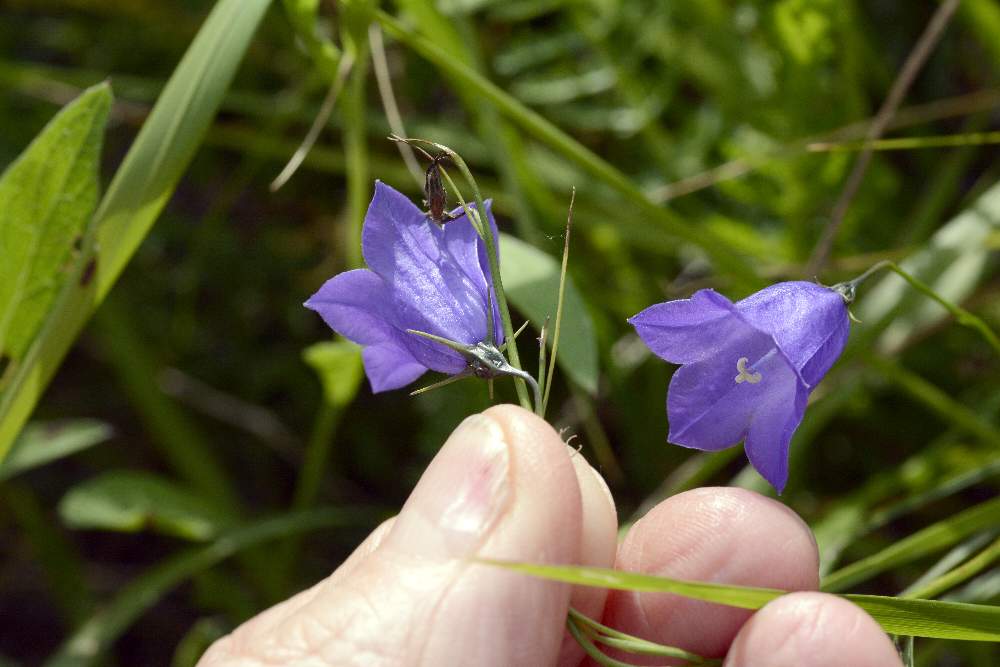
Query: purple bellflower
{"x":421,"y":277}
{"x":746,"y":368}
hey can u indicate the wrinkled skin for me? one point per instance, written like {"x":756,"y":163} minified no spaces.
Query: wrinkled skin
{"x":505,"y":486}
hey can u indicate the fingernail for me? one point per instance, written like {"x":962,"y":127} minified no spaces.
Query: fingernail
{"x":460,"y":496}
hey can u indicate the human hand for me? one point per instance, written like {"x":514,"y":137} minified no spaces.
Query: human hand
{"x":505,"y":486}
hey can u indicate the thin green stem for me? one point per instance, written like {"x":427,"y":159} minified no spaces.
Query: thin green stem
{"x":908,"y":143}
{"x":356,"y":154}
{"x":962,"y":316}
{"x":315,"y":465}
{"x":559,"y":302}
{"x":319,"y":122}
{"x":314,"y":468}
{"x":620,"y":640}
{"x":542,"y":336}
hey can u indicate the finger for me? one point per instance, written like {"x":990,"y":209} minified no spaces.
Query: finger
{"x":722,"y":535}
{"x":812,"y":630}
{"x":599,"y":542}
{"x":501,"y":487}
{"x":267,"y":620}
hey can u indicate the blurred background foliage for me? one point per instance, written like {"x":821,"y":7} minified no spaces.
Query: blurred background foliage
{"x":198,"y":402}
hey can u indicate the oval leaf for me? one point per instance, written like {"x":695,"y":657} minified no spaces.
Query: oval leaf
{"x":47,"y":196}
{"x":338,"y":364}
{"x":133,"y":501}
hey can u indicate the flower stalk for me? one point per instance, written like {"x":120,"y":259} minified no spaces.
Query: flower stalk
{"x":848,"y":291}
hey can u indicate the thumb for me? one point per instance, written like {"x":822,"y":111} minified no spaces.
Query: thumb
{"x":502,"y":487}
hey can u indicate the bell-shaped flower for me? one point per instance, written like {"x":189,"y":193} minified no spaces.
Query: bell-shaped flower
{"x":746,"y":368}
{"x":422,"y":277}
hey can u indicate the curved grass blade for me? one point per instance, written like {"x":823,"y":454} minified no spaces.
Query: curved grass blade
{"x":935,"y":537}
{"x":96,"y":635}
{"x":137,"y":194}
{"x":919,"y":618}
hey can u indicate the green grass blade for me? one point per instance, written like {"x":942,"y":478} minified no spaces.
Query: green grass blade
{"x":536,"y":125}
{"x":137,"y":194}
{"x":935,"y":537}
{"x":97,"y":634}
{"x":920,"y":618}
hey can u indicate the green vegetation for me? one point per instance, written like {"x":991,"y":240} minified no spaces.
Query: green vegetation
{"x":198,"y":448}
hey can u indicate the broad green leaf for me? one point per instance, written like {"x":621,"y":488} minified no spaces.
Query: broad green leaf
{"x":531,"y":281}
{"x":935,"y":537}
{"x":919,"y":618}
{"x":47,"y":196}
{"x":97,"y":634}
{"x":137,"y":194}
{"x":134,"y":501}
{"x":43,"y":443}
{"x":338,"y":364}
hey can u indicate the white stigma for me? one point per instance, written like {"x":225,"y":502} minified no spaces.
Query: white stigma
{"x":745,"y":375}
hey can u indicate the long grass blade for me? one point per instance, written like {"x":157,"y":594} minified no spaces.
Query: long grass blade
{"x":137,"y":194}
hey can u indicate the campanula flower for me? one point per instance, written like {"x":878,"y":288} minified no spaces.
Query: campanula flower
{"x":421,"y":277}
{"x":746,"y":368}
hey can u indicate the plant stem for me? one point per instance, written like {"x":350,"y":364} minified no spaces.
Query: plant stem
{"x":962,"y":316}
{"x":559,"y":303}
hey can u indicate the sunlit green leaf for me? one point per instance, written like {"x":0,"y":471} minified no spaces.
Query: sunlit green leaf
{"x":46,"y":198}
{"x":338,"y":364}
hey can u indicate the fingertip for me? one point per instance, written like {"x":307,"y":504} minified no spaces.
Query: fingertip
{"x":812,"y":630}
{"x":598,"y":544}
{"x":724,"y":535}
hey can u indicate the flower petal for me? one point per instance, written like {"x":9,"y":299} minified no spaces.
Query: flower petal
{"x":771,"y":429}
{"x":688,"y":330}
{"x":808,"y":321}
{"x":390,"y":367}
{"x":465,"y":245}
{"x":353,"y":304}
{"x":707,"y":408}
{"x":431,"y":286}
